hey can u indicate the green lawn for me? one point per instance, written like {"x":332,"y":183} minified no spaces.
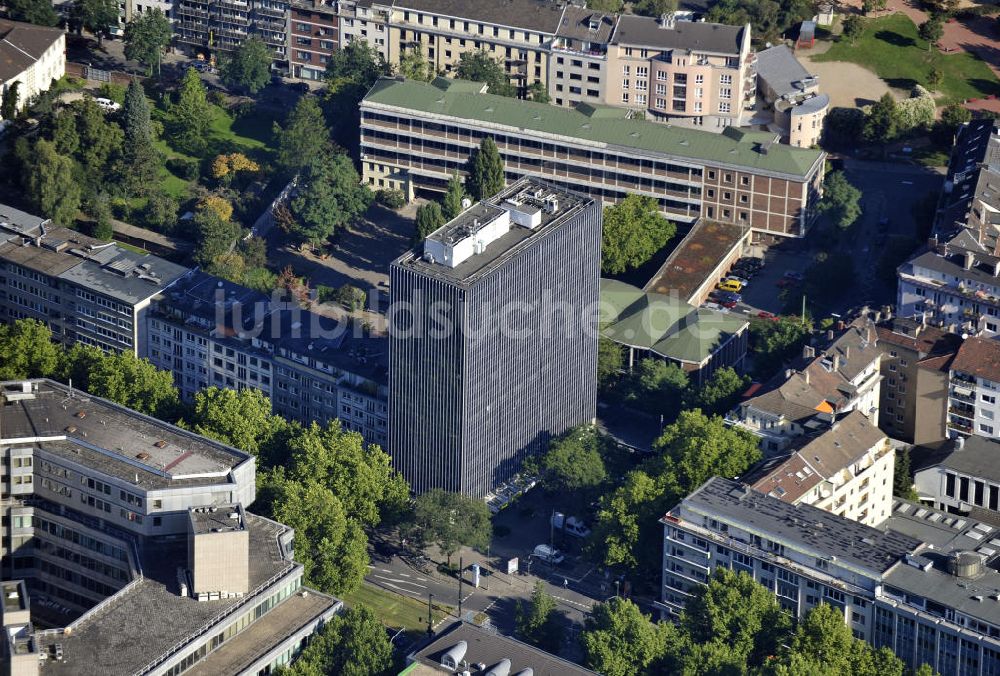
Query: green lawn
{"x":891,"y":47}
{"x":396,"y":611}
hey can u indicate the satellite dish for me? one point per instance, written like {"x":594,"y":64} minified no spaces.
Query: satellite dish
{"x":466,"y":203}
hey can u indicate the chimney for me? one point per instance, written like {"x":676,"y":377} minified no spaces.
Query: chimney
{"x":788,"y":373}
{"x":836,"y":362}
{"x":932,"y":242}
{"x":805,"y":376}
{"x":667,"y":20}
{"x":829,"y":334}
{"x":808,"y":352}
{"x":847,"y":352}
{"x":970,"y":260}
{"x":959,"y":443}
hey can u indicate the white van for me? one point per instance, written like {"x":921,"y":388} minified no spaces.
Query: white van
{"x":571,"y":525}
{"x":549,"y":555}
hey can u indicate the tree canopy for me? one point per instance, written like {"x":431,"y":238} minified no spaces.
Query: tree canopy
{"x":429,"y":218}
{"x":240,"y":418}
{"x":136,"y":384}
{"x":619,"y":640}
{"x":353,"y":643}
{"x":486,"y":170}
{"x":330,"y":195}
{"x":450,"y":520}
{"x":573,"y":466}
{"x":51,"y":186}
{"x":146,"y":36}
{"x":882,"y":121}
{"x":480,"y":66}
{"x":11,"y":101}
{"x":248,"y":67}
{"x":38,"y":12}
{"x":413,"y":65}
{"x":97,"y":16}
{"x":140,"y":159}
{"x":537,"y":621}
{"x":634,"y":230}
{"x":190,"y":114}
{"x":775,"y":342}
{"x":720,"y":392}
{"x":27,"y":350}
{"x":841,"y":200}
{"x":304,"y":137}
{"x":451,"y":203}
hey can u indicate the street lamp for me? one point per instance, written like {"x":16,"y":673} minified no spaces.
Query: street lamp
{"x":430,"y":614}
{"x":617,"y":582}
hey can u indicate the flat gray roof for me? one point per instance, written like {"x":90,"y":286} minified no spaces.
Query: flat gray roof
{"x":948,"y":534}
{"x":217,"y":519}
{"x":977,"y":457}
{"x":505,"y":247}
{"x":782,"y":72}
{"x":114,"y":439}
{"x":140,"y":626}
{"x":814,"y":529}
{"x":537,"y":15}
{"x":683,"y":35}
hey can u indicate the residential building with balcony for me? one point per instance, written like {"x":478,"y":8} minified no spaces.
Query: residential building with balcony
{"x":578,"y":59}
{"x":792,"y":93}
{"x":953,"y":284}
{"x":131,"y":544}
{"x":367,"y":21}
{"x":846,"y":469}
{"x":922,"y":584}
{"x":914,"y":393}
{"x":973,"y":389}
{"x":492,"y":348}
{"x":963,"y":478}
{"x":831,"y":378}
{"x":685,"y":72}
{"x":517,"y":33}
{"x":205,"y":27}
{"x":415,"y":135}
{"x":85,"y":290}
{"x":660,"y":326}
{"x":313,"y":37}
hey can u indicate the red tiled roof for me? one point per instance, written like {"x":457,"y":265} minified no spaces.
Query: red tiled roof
{"x":979,"y":357}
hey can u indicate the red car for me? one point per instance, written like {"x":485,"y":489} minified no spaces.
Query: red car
{"x":764,"y":314}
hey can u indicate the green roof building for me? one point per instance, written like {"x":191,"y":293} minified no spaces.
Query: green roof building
{"x":415,"y":135}
{"x":654,"y":324}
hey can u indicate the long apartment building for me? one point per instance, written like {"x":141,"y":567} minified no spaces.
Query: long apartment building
{"x":128,"y":541}
{"x":210,"y":27}
{"x":210,"y":332}
{"x":924,"y":584}
{"x":973,"y":390}
{"x":415,"y":136}
{"x":85,"y":290}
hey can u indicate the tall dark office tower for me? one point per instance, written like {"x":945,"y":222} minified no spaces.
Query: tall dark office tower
{"x":492,"y":349}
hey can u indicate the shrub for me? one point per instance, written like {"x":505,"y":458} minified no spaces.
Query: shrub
{"x":917,"y":111}
{"x":393,"y":199}
{"x":184,"y":167}
{"x":115,"y":92}
{"x":217,"y":98}
{"x":242,"y":109}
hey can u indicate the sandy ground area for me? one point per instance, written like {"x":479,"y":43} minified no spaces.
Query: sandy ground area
{"x":847,"y":84}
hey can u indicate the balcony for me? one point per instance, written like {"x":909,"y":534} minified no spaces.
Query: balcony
{"x":963,"y":411}
{"x":187,"y":10}
{"x":957,"y":394}
{"x":591,"y":50}
{"x":270,"y":11}
{"x":959,"y":425}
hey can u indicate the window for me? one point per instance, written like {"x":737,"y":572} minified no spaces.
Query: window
{"x":724,"y":107}
{"x":661,"y":76}
{"x":640,"y":99}
{"x":624,"y":97}
{"x":625,"y":84}
{"x":726,"y":93}
{"x":989,"y":398}
{"x":726,"y":79}
{"x":986,"y":429}
{"x":697,"y":106}
{"x":661,"y":90}
{"x":626,"y":70}
{"x":661,"y":103}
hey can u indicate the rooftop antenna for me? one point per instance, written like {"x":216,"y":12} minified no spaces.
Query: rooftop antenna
{"x":70,"y":388}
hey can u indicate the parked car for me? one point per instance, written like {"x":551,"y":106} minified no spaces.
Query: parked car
{"x":751,"y":262}
{"x":764,"y":314}
{"x":549,"y":555}
{"x":729,"y":285}
{"x":569,"y":525}
{"x":107,"y":105}
{"x":795,"y":275}
{"x":743,"y":281}
{"x":728,"y":299}
{"x":715,"y":306}
{"x":299,"y":87}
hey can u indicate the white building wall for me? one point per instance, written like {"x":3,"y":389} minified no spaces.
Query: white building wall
{"x":39,"y":76}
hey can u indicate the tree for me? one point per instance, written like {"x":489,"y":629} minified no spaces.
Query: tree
{"x":610,"y":358}
{"x":356,"y":64}
{"x":38,"y":12}
{"x":239,"y":418}
{"x":101,"y":140}
{"x":573,"y":465}
{"x":774,"y":343}
{"x":97,"y":16}
{"x":698,"y":447}
{"x":190,"y":114}
{"x":330,"y":196}
{"x":734,"y":610}
{"x":655,"y":8}
{"x":721,"y":392}
{"x":64,"y":133}
{"x":141,"y":160}
{"x":359,"y":474}
{"x":214,"y":236}
{"x":450,"y":520}
{"x":429,"y":218}
{"x":53,"y":191}
{"x":486,"y":171}
{"x":634,"y":230}
{"x":99,"y":208}
{"x":932,"y":30}
{"x":619,"y":640}
{"x":869,"y":6}
{"x":537,"y":623}
{"x":304,"y":137}
{"x":11,"y":99}
{"x":146,"y":36}
{"x":353,"y":643}
{"x":479,"y":66}
{"x":27,"y":350}
{"x":955,"y":115}
{"x":160,"y":212}
{"x":902,"y":477}
{"x":413,"y":65}
{"x":853,"y":27}
{"x":248,"y":67}
{"x":841,"y":200}
{"x":935,"y":77}
{"x":330,"y":546}
{"x":627,"y":525}
{"x":538,"y":93}
{"x":451,"y":203}
{"x":657,"y":387}
{"x":135,"y":383}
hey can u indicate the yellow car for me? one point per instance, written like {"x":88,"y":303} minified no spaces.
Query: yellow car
{"x":730,"y":285}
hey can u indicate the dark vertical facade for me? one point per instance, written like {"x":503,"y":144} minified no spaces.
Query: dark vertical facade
{"x":467,"y":407}
{"x":313,"y":33}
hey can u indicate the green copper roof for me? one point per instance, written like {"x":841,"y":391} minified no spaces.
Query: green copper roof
{"x":603,"y":125}
{"x":663,"y":324}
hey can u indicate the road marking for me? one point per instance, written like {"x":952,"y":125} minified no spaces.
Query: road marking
{"x":574,"y":603}
{"x":401,"y":590}
{"x":403,"y":574}
{"x":385,"y":570}
{"x":392,"y":579}
{"x":907,"y":182}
